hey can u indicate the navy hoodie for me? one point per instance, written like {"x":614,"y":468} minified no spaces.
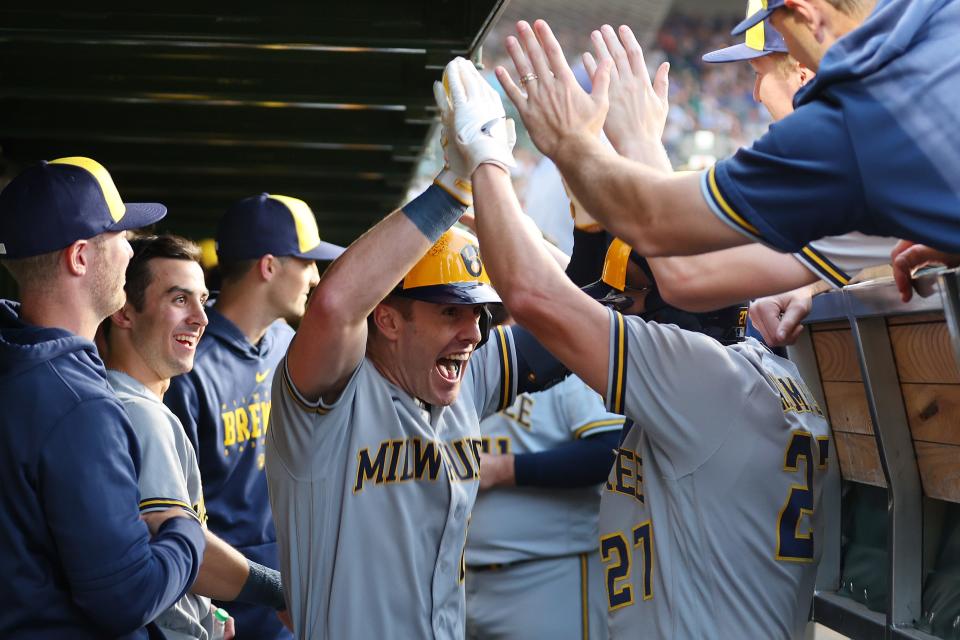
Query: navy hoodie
{"x":77,"y":560}
{"x":873,"y":145}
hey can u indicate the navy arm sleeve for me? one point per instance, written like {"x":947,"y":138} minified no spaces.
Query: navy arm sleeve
{"x":578,"y":463}
{"x":537,"y":368}
{"x":119,"y":576}
{"x":800,"y":182}
{"x":589,"y":252}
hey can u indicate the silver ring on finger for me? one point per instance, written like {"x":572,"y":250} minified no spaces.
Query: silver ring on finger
{"x":528,"y":77}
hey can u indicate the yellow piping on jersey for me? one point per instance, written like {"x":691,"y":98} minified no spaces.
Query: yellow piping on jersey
{"x":505,"y":355}
{"x":727,"y":209}
{"x":288,"y":387}
{"x":826,"y":267}
{"x":596,"y":424}
{"x":584,"y":601}
{"x":617,"y":404}
{"x":164,"y":502}
{"x":168,"y":503}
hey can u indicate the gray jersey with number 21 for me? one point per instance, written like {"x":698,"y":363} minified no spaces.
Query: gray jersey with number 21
{"x":710,"y":524}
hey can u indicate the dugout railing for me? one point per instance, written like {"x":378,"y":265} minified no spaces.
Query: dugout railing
{"x":886,"y":374}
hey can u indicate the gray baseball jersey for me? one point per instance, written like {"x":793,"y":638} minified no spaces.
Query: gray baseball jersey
{"x":169,"y":477}
{"x":508,"y":523}
{"x":710,"y":521}
{"x":550,"y":599}
{"x":838,"y":258}
{"x":532,"y":565}
{"x":371,"y":497}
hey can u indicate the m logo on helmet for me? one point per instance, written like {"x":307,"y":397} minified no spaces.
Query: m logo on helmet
{"x":471,"y":260}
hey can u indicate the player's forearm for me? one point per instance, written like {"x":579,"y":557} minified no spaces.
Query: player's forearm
{"x":510,"y":247}
{"x":227,"y":575}
{"x":578,"y":463}
{"x":648,"y":152}
{"x":618,"y":193}
{"x":357,"y":281}
{"x":223,"y":572}
{"x":712,"y":280}
{"x":655,"y":212}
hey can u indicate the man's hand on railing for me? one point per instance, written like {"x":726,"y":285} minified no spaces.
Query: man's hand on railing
{"x":907,"y":257}
{"x":778,"y":318}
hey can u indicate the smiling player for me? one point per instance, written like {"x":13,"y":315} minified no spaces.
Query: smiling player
{"x":373,"y":452}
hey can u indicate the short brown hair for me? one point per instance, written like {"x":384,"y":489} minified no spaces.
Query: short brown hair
{"x":233,"y":270}
{"x":401,"y":304}
{"x":147,"y":248}
{"x":34,"y":271}
{"x":37,"y":271}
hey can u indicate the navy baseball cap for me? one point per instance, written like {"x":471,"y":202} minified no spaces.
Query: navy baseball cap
{"x":51,"y":205}
{"x":757,"y":10}
{"x":274,"y":224}
{"x":762,"y":39}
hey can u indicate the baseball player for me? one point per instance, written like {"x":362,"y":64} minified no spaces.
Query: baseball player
{"x":373,"y":456}
{"x":719,"y":481}
{"x":152,"y":338}
{"x":544,"y":459}
{"x":77,"y":560}
{"x":703,"y":282}
{"x":267,"y":245}
{"x":823,"y":171}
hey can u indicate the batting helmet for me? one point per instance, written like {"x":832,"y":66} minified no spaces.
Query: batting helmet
{"x":727,"y":325}
{"x":451,"y":272}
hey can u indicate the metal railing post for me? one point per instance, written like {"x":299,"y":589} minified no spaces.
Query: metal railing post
{"x":904,"y":490}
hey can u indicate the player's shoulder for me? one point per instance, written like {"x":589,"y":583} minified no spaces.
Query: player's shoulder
{"x":663,"y":335}
{"x":365,"y":384}
{"x":74,"y":391}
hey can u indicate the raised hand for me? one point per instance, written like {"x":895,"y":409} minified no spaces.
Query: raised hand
{"x":454,"y":178}
{"x":474,"y":114}
{"x":552,"y":104}
{"x":638,"y":107}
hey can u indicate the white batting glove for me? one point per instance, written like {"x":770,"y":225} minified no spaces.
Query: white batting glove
{"x":454,"y":178}
{"x":483,"y":133}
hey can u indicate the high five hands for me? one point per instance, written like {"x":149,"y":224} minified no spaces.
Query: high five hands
{"x":553,"y":106}
{"x":638,"y":106}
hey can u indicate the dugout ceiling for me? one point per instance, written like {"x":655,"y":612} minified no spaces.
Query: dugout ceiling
{"x":197,"y":104}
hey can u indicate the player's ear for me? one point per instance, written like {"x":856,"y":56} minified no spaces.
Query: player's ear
{"x":388,"y":321}
{"x":267,"y":266}
{"x":124,"y":317}
{"x":810,"y":14}
{"x":76,"y":257}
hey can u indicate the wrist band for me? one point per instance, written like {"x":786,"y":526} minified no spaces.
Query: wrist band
{"x":434,"y":211}
{"x":263,"y":586}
